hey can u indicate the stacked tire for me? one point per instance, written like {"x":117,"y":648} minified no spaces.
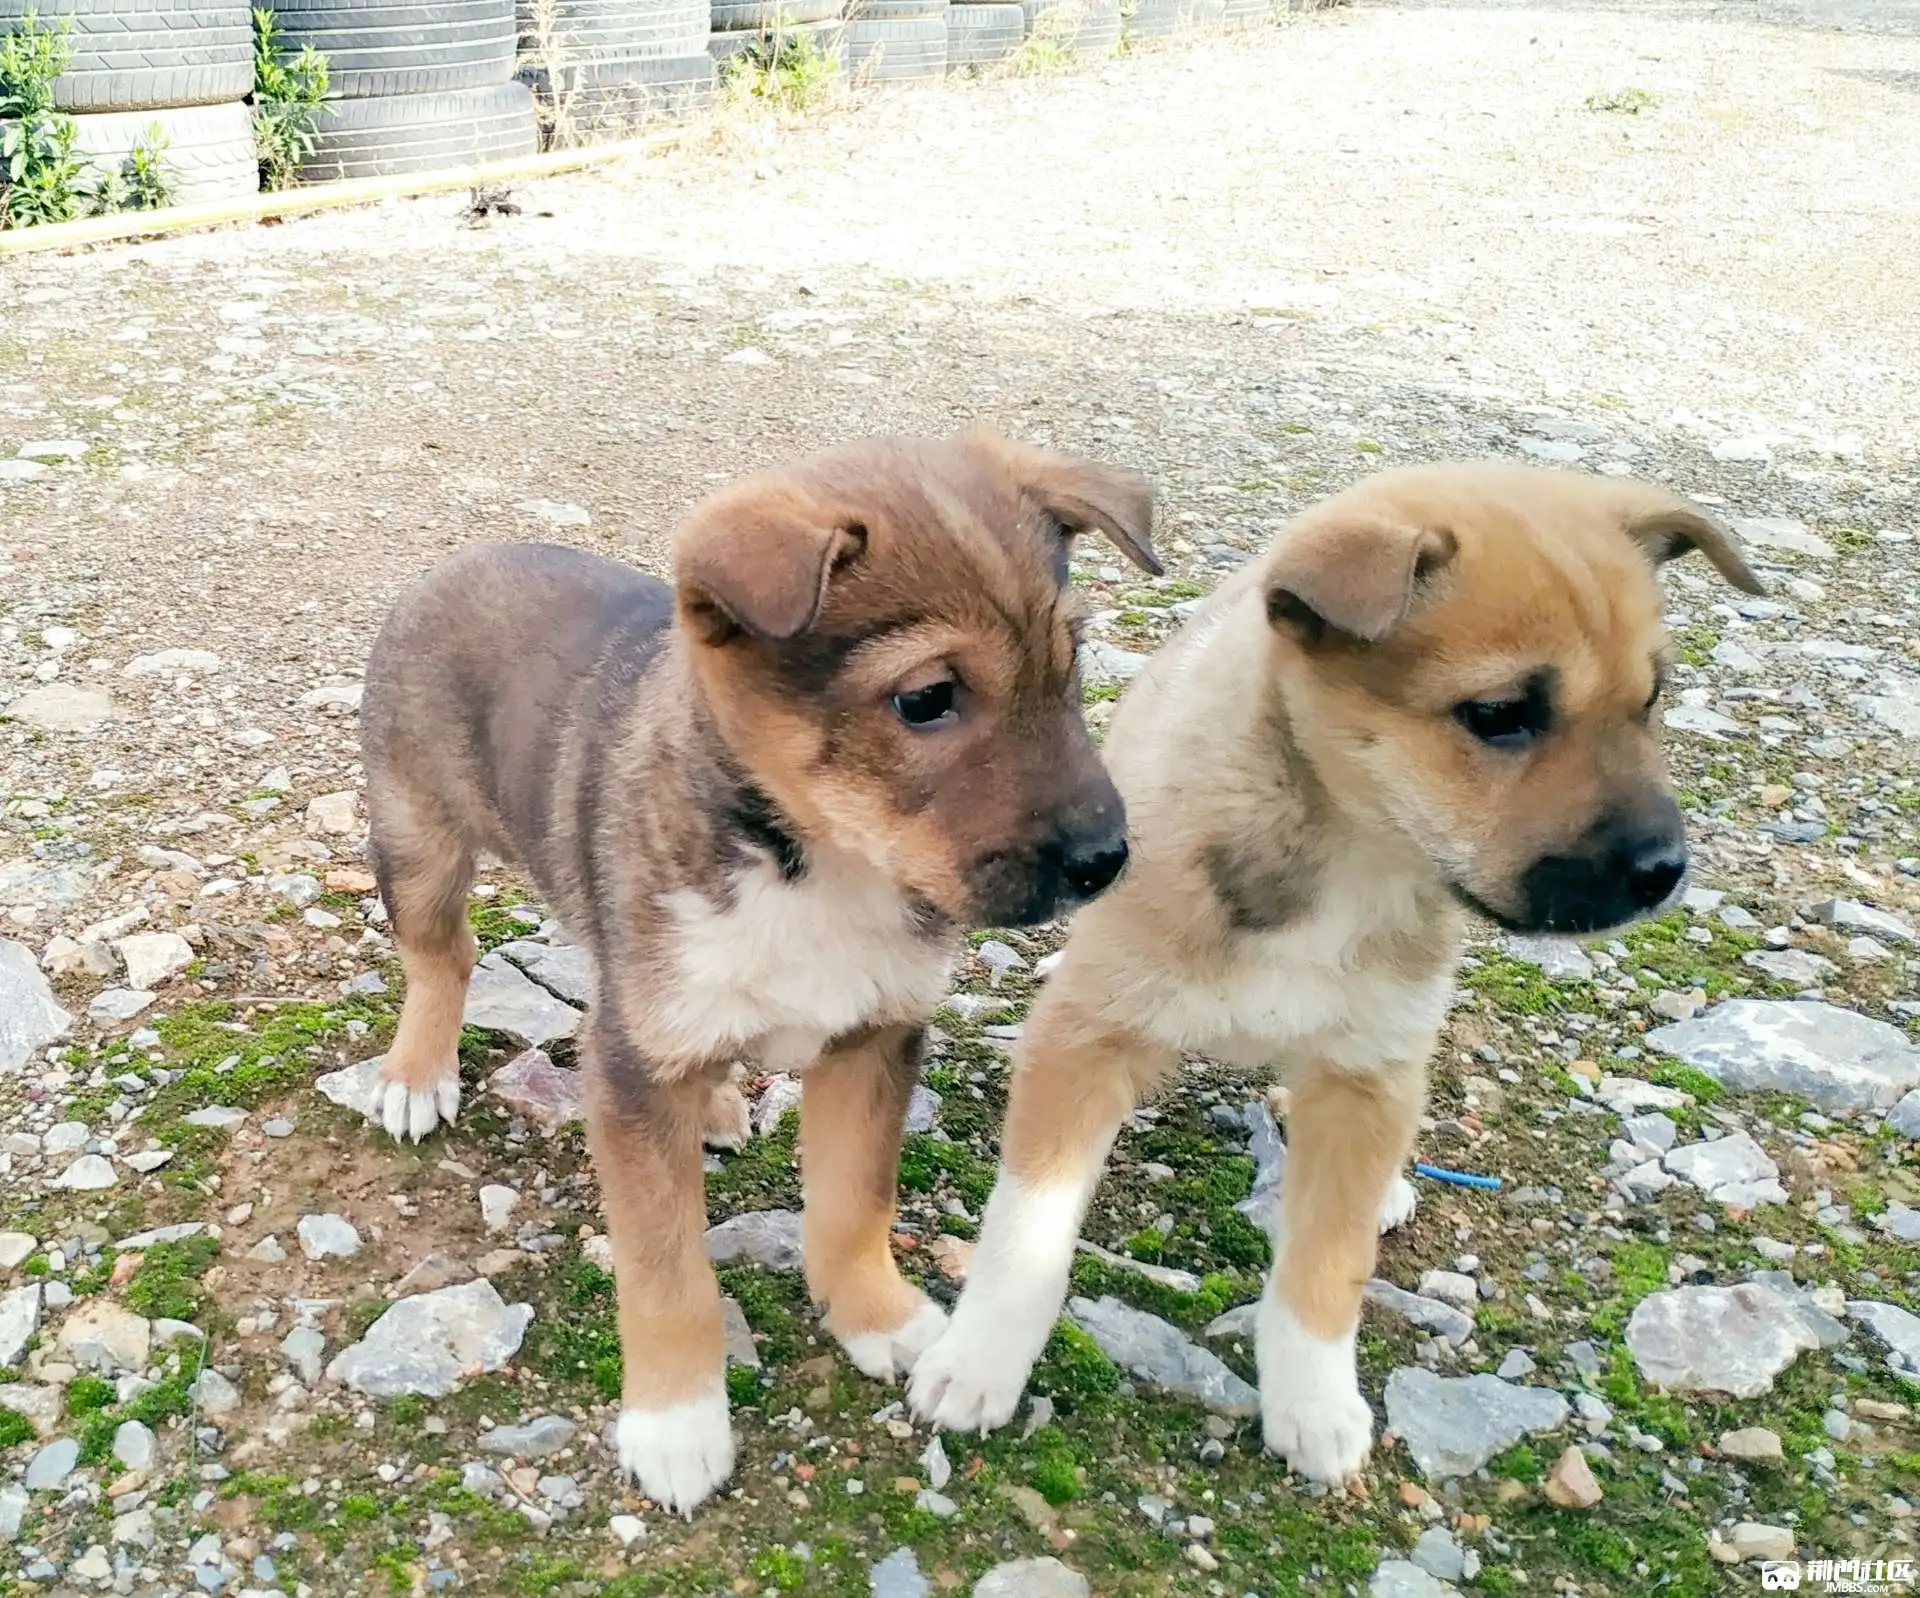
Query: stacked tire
{"x":170,"y":75}
{"x":603,"y":68}
{"x":412,"y":85}
{"x":894,"y":41}
{"x":767,"y":27}
{"x":979,"y":37}
{"x":1156,"y":19}
{"x":1085,"y":29}
{"x":1239,"y":15}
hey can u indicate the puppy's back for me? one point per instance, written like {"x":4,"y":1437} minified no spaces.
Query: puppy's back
{"x":486,"y":670}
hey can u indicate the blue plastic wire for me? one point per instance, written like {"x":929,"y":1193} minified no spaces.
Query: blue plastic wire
{"x":1458,"y":1178}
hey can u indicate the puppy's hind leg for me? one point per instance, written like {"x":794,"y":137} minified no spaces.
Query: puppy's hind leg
{"x":425,"y":867}
{"x":1348,"y":1132}
{"x":1075,"y":1080}
{"x":853,"y":1104}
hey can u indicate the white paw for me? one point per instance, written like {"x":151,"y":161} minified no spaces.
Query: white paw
{"x":1311,"y":1410}
{"x":887,"y":1355}
{"x":967,"y":1382}
{"x":409,"y":1114}
{"x":1397,"y":1208}
{"x":679,"y":1455}
{"x":729,"y":1121}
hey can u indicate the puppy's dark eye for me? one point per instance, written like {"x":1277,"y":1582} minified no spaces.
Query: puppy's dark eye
{"x":1502,"y":723}
{"x":927,"y":707}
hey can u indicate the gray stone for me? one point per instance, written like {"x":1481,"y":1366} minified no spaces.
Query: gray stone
{"x":114,"y":1005}
{"x":1849,"y":915}
{"x":106,"y":1337}
{"x":134,"y":1445}
{"x":922,"y":1107}
{"x":60,"y":707}
{"x":497,"y":1204}
{"x":898,"y":1576}
{"x":565,"y":970}
{"x":179,"y":1232}
{"x":738,"y":1336}
{"x":13,"y":1509}
{"x":1268,"y":1151}
{"x":167,"y":662}
{"x":1754,"y":1540}
{"x":1755,"y":1445}
{"x":1158,"y":1352}
{"x":1899,"y":1329}
{"x":166,"y":1332}
{"x":559,"y":512}
{"x":1032,"y":1578}
{"x":1102,"y":664}
{"x":1895,"y":704}
{"x":215,"y":1395}
{"x":220,"y":1117}
{"x":41,"y":1405}
{"x":763,"y":1237}
{"x":1731,"y":1340}
{"x":531,"y":1085}
{"x":268,"y":1251}
{"x":29,"y":1017}
{"x":1166,"y":1275}
{"x":1654,"y":1130}
{"x":19,"y":1320}
{"x":1899,"y":1221}
{"x":328,"y":1237}
{"x":352,"y":1087}
{"x":1781,"y":533}
{"x":1836,"y":1058}
{"x":535,"y":1439}
{"x":19,"y":471}
{"x":1402,"y":1578}
{"x":502,"y":998}
{"x":1429,"y":1314}
{"x":1451,"y":1287}
{"x":1452,"y":1425}
{"x":1515,"y":1365}
{"x":1734,"y":1165}
{"x":152,"y":957}
{"x":303,"y":1348}
{"x":1904,"y":1117}
{"x":1559,"y":958}
{"x":428,"y":1343}
{"x":52,"y":1465}
{"x":1437,"y":1553}
{"x":53,"y":449}
{"x":1708,"y":723}
{"x":1798,"y":968}
{"x":88,"y":1174}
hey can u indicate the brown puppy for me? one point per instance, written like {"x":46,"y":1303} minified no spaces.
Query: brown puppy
{"x":1436,"y":692}
{"x":767,"y":801}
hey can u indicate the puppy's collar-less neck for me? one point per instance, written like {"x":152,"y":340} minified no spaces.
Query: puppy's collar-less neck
{"x":755,"y":818}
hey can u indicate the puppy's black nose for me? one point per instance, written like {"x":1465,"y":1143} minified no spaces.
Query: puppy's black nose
{"x":1090,"y":864}
{"x":1654,"y":868}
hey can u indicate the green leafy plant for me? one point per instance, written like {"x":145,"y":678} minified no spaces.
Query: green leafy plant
{"x":42,"y":177}
{"x":287,"y":92}
{"x":146,"y":177}
{"x":786,"y":70}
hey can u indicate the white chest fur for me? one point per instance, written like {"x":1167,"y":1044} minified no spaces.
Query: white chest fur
{"x":1316,"y":985}
{"x":785,"y":966}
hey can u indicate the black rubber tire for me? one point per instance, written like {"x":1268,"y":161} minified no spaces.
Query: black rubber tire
{"x":131,"y":55}
{"x":728,"y":16}
{"x":896,"y":10}
{"x":399,"y":133}
{"x":1238,"y":16}
{"x":608,"y":100}
{"x":829,"y":38}
{"x":1086,"y":29}
{"x":1154,"y":19}
{"x":387,"y":47}
{"x":978,"y":36}
{"x":1203,"y":16}
{"x":209,"y":152}
{"x":614,"y":30}
{"x":896,"y":49}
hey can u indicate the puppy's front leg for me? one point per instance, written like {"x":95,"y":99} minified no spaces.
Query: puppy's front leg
{"x":853,"y":1102}
{"x":1347,"y":1134}
{"x":1074,"y":1082}
{"x":673,"y":1435}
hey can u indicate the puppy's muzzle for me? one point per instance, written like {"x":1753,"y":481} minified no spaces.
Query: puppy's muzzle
{"x":1627,"y":866}
{"x":1073,"y":865}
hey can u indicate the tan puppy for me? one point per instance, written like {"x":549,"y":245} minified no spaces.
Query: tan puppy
{"x":1436,"y":692}
{"x":768,"y":802}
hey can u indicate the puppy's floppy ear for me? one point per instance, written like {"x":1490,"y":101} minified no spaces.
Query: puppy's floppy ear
{"x":1667,"y":526}
{"x":1081,"y":494}
{"x":757,"y":557}
{"x":1352,"y":572}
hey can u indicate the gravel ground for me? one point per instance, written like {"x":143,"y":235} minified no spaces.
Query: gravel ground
{"x":1672,"y":240}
